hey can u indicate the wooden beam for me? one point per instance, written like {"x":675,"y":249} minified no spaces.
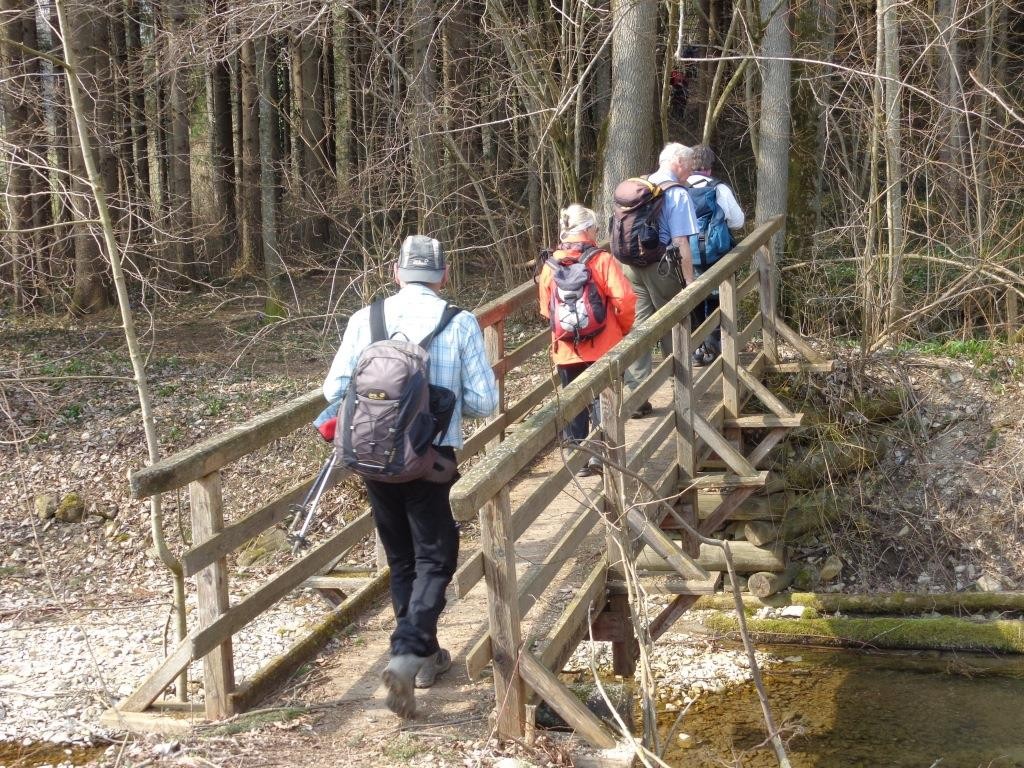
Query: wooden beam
{"x":762,"y":393}
{"x":735,"y":460}
{"x":724,"y":480}
{"x":534,"y":583}
{"x":235,"y":535}
{"x":797,"y":342}
{"x":725,"y":510}
{"x":472,"y":570}
{"x":226,"y":446}
{"x":280,"y":585}
{"x":746,"y":557}
{"x":800,"y":367}
{"x":279,"y":669}
{"x":663,"y":545}
{"x":763,"y":421}
{"x":562,"y":700}
{"x":158,"y":680}
{"x":207,"y":514}
{"x":572,"y":625}
{"x":670,"y":615}
{"x":773,"y":438}
{"x":498,"y":547}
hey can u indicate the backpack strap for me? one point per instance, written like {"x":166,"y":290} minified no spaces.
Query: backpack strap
{"x":449,"y":313}
{"x":378,"y":328}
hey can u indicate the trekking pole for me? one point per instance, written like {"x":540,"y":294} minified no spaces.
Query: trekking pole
{"x":309,"y":504}
{"x":674,"y":264}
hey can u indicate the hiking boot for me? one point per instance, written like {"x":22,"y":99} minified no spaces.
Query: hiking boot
{"x":703,"y":356}
{"x":645,"y":409}
{"x":399,"y":676}
{"x":591,"y":468}
{"x":435,"y":665}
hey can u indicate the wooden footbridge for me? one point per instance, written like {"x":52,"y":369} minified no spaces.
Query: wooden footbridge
{"x":556,"y":552}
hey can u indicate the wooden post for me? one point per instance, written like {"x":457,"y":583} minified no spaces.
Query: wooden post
{"x":494,"y":345}
{"x":625,"y":650}
{"x":766,"y":289}
{"x":212,"y":592}
{"x":497,"y":542}
{"x":730,"y":348}
{"x":682,"y":395}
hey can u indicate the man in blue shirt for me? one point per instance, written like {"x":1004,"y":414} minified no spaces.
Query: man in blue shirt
{"x":655,"y":285}
{"x":414,"y":519}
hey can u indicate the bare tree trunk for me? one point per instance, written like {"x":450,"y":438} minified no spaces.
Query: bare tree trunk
{"x":224,"y":245}
{"x":15,"y":98}
{"x":774,"y":126}
{"x":269,"y":138}
{"x":893,"y":161}
{"x":249,"y":190}
{"x":629,"y":150}
{"x":141,"y":192}
{"x":179,"y":168}
{"x":86,"y":40}
{"x":426,"y":145}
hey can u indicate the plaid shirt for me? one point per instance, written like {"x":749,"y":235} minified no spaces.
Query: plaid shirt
{"x":457,"y":357}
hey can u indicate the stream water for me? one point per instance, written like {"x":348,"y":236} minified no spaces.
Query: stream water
{"x":864,"y":710}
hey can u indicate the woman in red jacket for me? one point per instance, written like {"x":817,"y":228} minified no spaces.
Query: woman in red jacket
{"x":590,"y":305}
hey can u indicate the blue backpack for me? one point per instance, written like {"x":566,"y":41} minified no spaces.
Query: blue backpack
{"x":713,"y":239}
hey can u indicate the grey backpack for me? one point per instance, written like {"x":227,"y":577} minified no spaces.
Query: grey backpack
{"x":391,"y":413}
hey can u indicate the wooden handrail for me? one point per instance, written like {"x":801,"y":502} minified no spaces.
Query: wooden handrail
{"x":216,"y":452}
{"x":482,"y":482}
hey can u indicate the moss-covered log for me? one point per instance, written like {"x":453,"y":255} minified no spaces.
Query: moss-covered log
{"x":745,"y":556}
{"x":828,"y":460}
{"x":942,"y":634}
{"x":899,"y":603}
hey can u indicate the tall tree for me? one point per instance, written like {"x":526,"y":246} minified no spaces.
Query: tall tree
{"x":629,"y":149}
{"x":179,"y":160}
{"x":774,"y":125}
{"x":88,"y":34}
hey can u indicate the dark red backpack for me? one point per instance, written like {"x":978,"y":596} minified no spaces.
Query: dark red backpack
{"x":634,"y":228}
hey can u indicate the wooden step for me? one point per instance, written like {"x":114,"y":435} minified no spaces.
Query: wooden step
{"x":706,"y":480}
{"x":764,"y":421}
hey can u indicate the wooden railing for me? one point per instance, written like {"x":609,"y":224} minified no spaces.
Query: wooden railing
{"x":199,"y":468}
{"x":484,"y":490}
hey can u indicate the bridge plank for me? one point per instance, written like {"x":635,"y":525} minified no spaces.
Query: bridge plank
{"x":562,"y":700}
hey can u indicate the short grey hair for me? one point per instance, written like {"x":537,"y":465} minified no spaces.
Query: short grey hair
{"x":703,"y":157}
{"x":674,"y":152}
{"x":575,"y":220}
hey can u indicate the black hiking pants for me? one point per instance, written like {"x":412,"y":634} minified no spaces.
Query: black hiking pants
{"x":422,"y":545}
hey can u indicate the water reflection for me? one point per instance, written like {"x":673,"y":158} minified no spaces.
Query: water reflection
{"x":860,"y":710}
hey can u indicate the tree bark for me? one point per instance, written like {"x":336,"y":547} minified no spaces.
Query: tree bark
{"x":249,"y":190}
{"x":629,"y":150}
{"x":224,"y":244}
{"x":87,"y":38}
{"x":16,"y":97}
{"x":774,"y":125}
{"x":269,"y":138}
{"x":179,"y":167}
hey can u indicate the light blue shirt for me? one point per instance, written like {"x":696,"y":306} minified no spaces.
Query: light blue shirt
{"x":677,"y":219}
{"x":458,"y":360}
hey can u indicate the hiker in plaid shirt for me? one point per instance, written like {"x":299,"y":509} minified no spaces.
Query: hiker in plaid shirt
{"x":414,"y":519}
